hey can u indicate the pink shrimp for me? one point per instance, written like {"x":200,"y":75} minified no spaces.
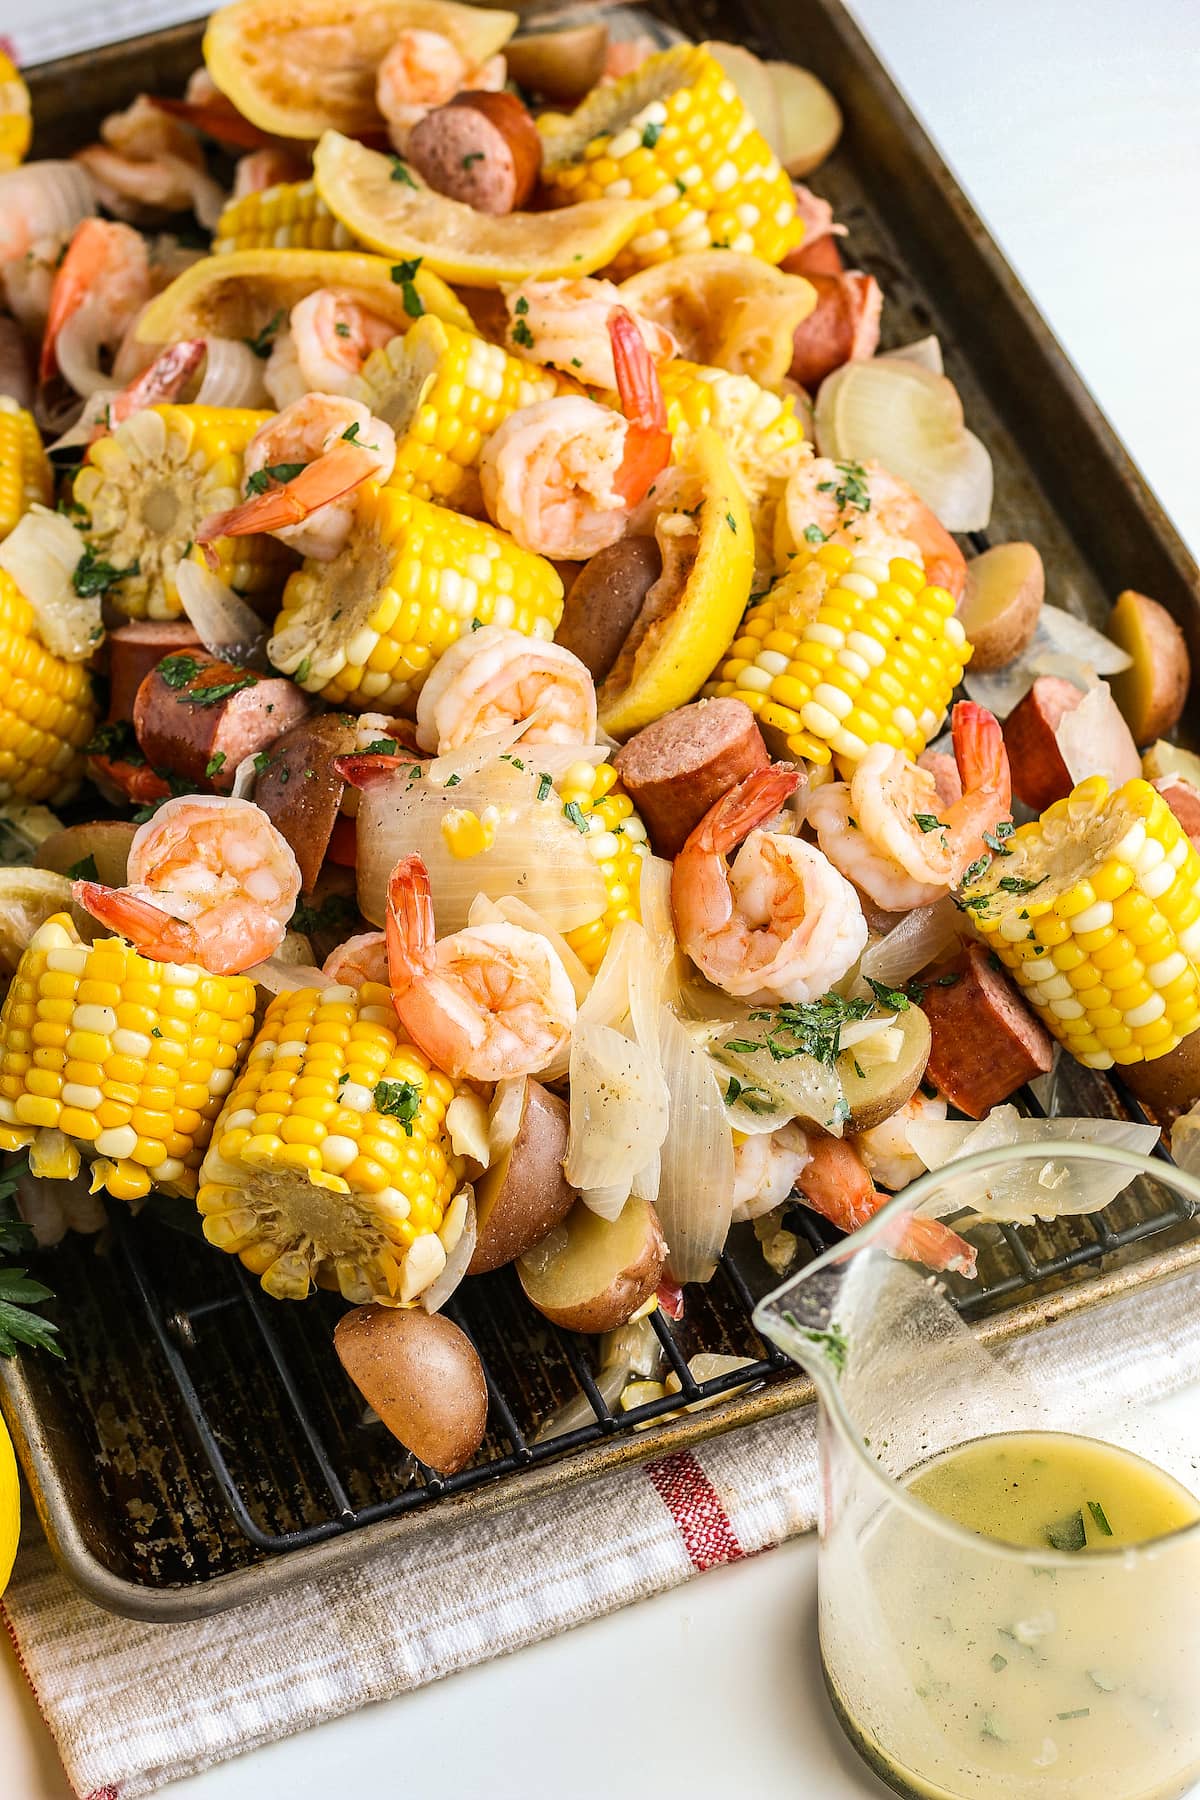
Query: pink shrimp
{"x":424,"y":69}
{"x":836,"y":1183}
{"x":164,"y":380}
{"x":104,"y":279}
{"x":211,"y":882}
{"x":359,"y":960}
{"x":779,"y":922}
{"x":872,"y":512}
{"x":486,"y":1003}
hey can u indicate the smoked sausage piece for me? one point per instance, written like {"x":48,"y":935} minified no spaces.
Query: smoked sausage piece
{"x":843,"y":326}
{"x":198,"y":717}
{"x":605,"y":599}
{"x":986,"y":1042}
{"x":133,"y":650}
{"x":300,"y":790}
{"x":1039,"y":774}
{"x":678,"y":767}
{"x":483,"y":149}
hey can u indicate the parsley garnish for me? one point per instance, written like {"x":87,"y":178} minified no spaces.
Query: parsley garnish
{"x":93,"y":576}
{"x":263,"y":342}
{"x":979,"y":867}
{"x":274,"y":473}
{"x":404,"y":274}
{"x":1068,"y":1534}
{"x":1080,"y":1712}
{"x":84,"y":870}
{"x":995,"y":840}
{"x":650,"y":135}
{"x":476,"y":624}
{"x":382,"y":747}
{"x":262,"y":762}
{"x":398,"y":1100}
{"x":181,"y":670}
{"x":757,"y":1099}
{"x":834,"y":1341}
{"x":303,"y":671}
{"x":1013,"y":884}
{"x":215,"y":763}
{"x":681,"y":185}
{"x":813,"y":1029}
{"x":400,"y":172}
{"x":892,"y":998}
{"x":1101,"y":1518}
{"x":852,"y":490}
{"x":116,"y":741}
{"x":178,"y":670}
{"x":731,"y":522}
{"x":155,"y":1031}
{"x":473,"y":156}
{"x":814,"y":535}
{"x":573,"y":811}
{"x":522,"y":335}
{"x":927,"y":821}
{"x":341,"y":328}
{"x":545,"y":783}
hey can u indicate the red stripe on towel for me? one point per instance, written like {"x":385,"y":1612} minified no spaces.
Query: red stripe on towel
{"x":695,"y":1506}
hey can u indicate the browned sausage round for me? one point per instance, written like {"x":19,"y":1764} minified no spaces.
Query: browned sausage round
{"x":483,"y":149}
{"x":1039,"y":774}
{"x":300,"y":790}
{"x":986,"y":1042}
{"x":604,"y":600}
{"x":198,"y":717}
{"x":678,"y":767}
{"x":843,"y":325}
{"x":133,"y":650}
{"x":821,"y":256}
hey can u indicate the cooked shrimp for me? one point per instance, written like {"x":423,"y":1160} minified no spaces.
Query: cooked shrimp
{"x":211,"y":881}
{"x":890,"y":833}
{"x":563,"y":476}
{"x":885,"y":1148}
{"x":779,"y":922}
{"x":766,"y":1168}
{"x":836,"y":1183}
{"x":267,"y":168}
{"x":319,"y":450}
{"x":148,"y":164}
{"x":102,"y":283}
{"x":486,"y":1003}
{"x":166,"y":379}
{"x":358,"y":960}
{"x":424,"y":69}
{"x":565,"y":324}
{"x":329,"y":337}
{"x":495,"y":677}
{"x":872,"y":512}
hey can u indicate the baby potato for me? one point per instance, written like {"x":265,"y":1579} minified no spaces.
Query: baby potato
{"x":102,"y":842}
{"x":1151,"y":693}
{"x":1168,"y":1084}
{"x":883,"y":1088}
{"x":592,"y":1274}
{"x":422,"y":1376}
{"x":524,"y":1194}
{"x":561,"y":66}
{"x":1000,"y":605}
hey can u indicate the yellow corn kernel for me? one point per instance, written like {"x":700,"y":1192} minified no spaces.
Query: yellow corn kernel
{"x":289,"y":216}
{"x":25,"y":473}
{"x":47,"y":710}
{"x":617,"y":840}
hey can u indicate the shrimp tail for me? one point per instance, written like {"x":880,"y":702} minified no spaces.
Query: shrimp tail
{"x":409,"y":930}
{"x":338,"y":472}
{"x":930,"y":1242}
{"x":647,"y":440}
{"x":754,"y":800}
{"x":837,"y":1184}
{"x":979,"y":752}
{"x":147,"y":927}
{"x":163,"y":381}
{"x":368,"y":769}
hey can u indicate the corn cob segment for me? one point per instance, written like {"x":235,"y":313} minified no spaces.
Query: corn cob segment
{"x":617,"y":840}
{"x":47,"y":711}
{"x":290,"y":216}
{"x":145,"y":491}
{"x":364,"y":630}
{"x":845,"y":652}
{"x":127,"y":1059}
{"x":331,"y":1157}
{"x":676,"y":132}
{"x":25,"y":473}
{"x":444,"y":391}
{"x":1096,"y":912}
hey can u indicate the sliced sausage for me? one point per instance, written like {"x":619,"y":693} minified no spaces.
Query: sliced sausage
{"x":1039,"y":774}
{"x":300,"y":790}
{"x":133,"y":650}
{"x":483,"y":149}
{"x":816,"y":256}
{"x":678,"y":767}
{"x":986,"y":1042}
{"x":604,"y":600}
{"x":843,"y":326}
{"x":198,"y":717}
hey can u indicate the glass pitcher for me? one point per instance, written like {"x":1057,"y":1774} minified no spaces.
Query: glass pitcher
{"x":963,"y":1667}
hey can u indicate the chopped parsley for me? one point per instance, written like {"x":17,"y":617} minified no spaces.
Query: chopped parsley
{"x":979,"y":867}
{"x":181,"y":670}
{"x":545,"y":784}
{"x":731,"y":522}
{"x":342,"y":330}
{"x":834,"y":1341}
{"x":84,"y":870}
{"x":303,"y":671}
{"x":812,"y":1029}
{"x":155,"y":1031}
{"x":453,"y":780}
{"x":681,"y":184}
{"x":522,"y":335}
{"x":757,"y":1099}
{"x":382,"y":747}
{"x":117,"y":741}
{"x":1013,"y":884}
{"x":1079,"y":1712}
{"x":215,"y":763}
{"x":275,"y":474}
{"x":918,"y":989}
{"x":400,"y":172}
{"x":521,"y":307}
{"x":263,"y":342}
{"x":998,"y":1663}
{"x":476,"y":624}
{"x":892,"y":998}
{"x":178,"y":670}
{"x":1068,"y":1534}
{"x":814,"y":535}
{"x":473,"y":156}
{"x":851,"y":491}
{"x":995,"y":841}
{"x":262,"y":763}
{"x":574,"y":812}
{"x":94,"y":576}
{"x":1101,"y":1518}
{"x":398,"y":1100}
{"x":650,"y":135}
{"x":927,"y":821}
{"x":404,"y":274}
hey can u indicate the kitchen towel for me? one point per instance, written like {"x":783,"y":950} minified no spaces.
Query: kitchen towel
{"x":132,"y":1706}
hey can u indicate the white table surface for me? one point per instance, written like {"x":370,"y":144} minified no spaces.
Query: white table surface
{"x":1075,"y":129}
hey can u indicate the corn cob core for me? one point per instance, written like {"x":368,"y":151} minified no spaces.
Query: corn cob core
{"x":617,"y":840}
{"x":25,"y":472}
{"x":332,"y":1156}
{"x":289,"y":216}
{"x":47,"y":712}
{"x":146,"y":490}
{"x":364,"y":630}
{"x":444,"y":391}
{"x":1096,"y":912}
{"x":845,"y":652}
{"x":676,"y":132}
{"x":128,"y":1058}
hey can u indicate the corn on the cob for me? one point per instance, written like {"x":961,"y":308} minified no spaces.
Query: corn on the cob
{"x":676,"y":132}
{"x":145,"y":491}
{"x":25,"y":472}
{"x":444,"y":391}
{"x":123,"y":1057}
{"x":617,"y":840}
{"x":845,"y":652}
{"x":47,"y":710}
{"x":16,"y":117}
{"x":331,"y":1157}
{"x":289,"y":216}
{"x":1096,"y":912}
{"x":364,"y":630}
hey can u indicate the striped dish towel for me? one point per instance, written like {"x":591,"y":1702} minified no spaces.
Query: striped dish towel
{"x":126,"y":1721}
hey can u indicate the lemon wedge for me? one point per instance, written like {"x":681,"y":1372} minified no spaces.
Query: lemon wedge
{"x":10,"y":1507}
{"x":690,"y":616}
{"x":301,"y":67}
{"x":406,"y":219}
{"x":28,"y":897}
{"x":16,"y":122}
{"x":243,"y":293}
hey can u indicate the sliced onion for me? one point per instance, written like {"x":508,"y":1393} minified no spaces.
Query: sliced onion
{"x":1094,"y":739}
{"x":244,"y":778}
{"x":1062,"y":631}
{"x":471,"y":759}
{"x":458,"y":1259}
{"x":619,"y":1115}
{"x":233,"y":375}
{"x":926,"y":352}
{"x":16,"y":376}
{"x":811,"y":1089}
{"x":467,"y":1123}
{"x":631,"y":1350}
{"x":41,"y":553}
{"x":288,"y":978}
{"x":919,"y":939}
{"x":1023,"y":1192}
{"x":911,"y":421}
{"x":225,"y":625}
{"x":77,"y":349}
{"x":536,"y":855}
{"x":695,"y":1190}
{"x":1061,"y":645}
{"x":504,"y":1118}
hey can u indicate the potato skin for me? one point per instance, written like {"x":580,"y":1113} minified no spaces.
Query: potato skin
{"x":1168,"y":1084}
{"x":629,"y":1279}
{"x":526,"y":1195}
{"x":1000,"y":606}
{"x":880,"y":1092}
{"x":422,"y":1376}
{"x":1152,"y":694}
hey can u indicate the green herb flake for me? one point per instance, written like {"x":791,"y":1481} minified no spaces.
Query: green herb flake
{"x":814,"y":535}
{"x":84,"y":870}
{"x":998,"y":1663}
{"x":472,"y":157}
{"x":382,"y":747}
{"x":1078,"y":1712}
{"x":650,"y":135}
{"x":178,"y":670}
{"x":521,"y":334}
{"x":544,"y":786}
{"x":400,"y":172}
{"x":894,"y":999}
{"x":93,"y":576}
{"x":341,"y":328}
{"x":1101,"y":1518}
{"x":155,"y":1031}
{"x":811,"y":1029}
{"x":681,"y":184}
{"x":215,"y":763}
{"x":1068,"y":1534}
{"x":990,"y":1732}
{"x":574,"y":812}
{"x":995,"y":840}
{"x":833,"y":1341}
{"x":976,"y":869}
{"x":858,"y":1068}
{"x":927,"y":821}
{"x":731,"y":522}
{"x":262,"y":762}
{"x":1013,"y":884}
{"x":398,"y":1100}
{"x":274,"y":475}
{"x":303,"y":671}
{"x":117,"y":741}
{"x":263,"y":342}
{"x":453,"y":780}
{"x":404,"y":274}
{"x":476,"y":624}
{"x":521,"y":307}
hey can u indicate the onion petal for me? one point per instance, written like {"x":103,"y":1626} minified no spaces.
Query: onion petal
{"x":458,"y":1259}
{"x":225,"y":625}
{"x":920,"y":937}
{"x":41,"y":554}
{"x":1094,"y":739}
{"x":695,"y":1189}
{"x":1023,"y":1192}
